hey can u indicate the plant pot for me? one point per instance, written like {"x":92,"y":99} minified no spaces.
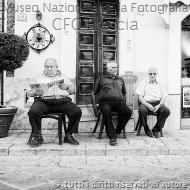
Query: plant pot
{"x":6,"y":118}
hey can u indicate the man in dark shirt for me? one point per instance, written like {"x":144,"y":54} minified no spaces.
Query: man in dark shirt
{"x":111,"y":95}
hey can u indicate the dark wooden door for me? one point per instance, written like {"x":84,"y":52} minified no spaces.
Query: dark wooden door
{"x":97,"y":43}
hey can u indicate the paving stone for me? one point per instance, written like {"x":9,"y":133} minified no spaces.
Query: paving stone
{"x":96,"y":150}
{"x":6,"y":186}
{"x":72,"y":160}
{"x":44,"y":186}
{"x":68,"y":175}
{"x":172,"y":159}
{"x":141,"y":160}
{"x":124,"y":151}
{"x":59,"y":150}
{"x":21,"y":149}
{"x":5,"y":161}
{"x":108,"y":162}
{"x":16,"y":178}
{"x":4,"y":149}
{"x":157,"y":150}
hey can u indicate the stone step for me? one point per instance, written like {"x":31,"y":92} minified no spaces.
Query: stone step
{"x":15,"y":145}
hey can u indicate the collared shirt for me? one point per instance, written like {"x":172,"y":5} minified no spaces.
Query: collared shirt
{"x":151,"y":91}
{"x":54,"y":90}
{"x":108,"y":88}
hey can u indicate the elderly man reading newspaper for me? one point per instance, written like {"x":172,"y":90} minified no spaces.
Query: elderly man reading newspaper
{"x":51,"y":94}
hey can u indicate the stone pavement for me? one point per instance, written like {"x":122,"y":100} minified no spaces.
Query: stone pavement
{"x":135,"y":163}
{"x":173,"y":143}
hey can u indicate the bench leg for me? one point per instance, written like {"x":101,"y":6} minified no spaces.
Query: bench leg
{"x":137,"y":124}
{"x":138,"y":127}
{"x":60,"y":130}
{"x":101,"y":129}
{"x":97,"y":123}
{"x":64,"y":124}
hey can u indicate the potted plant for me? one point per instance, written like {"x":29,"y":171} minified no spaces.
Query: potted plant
{"x":13,"y":51}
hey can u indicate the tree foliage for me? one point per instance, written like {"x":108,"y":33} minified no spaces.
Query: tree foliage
{"x":13,"y":51}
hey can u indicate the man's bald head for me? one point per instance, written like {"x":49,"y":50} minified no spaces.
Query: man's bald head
{"x":152,"y":72}
{"x":52,"y":61}
{"x":51,"y":67}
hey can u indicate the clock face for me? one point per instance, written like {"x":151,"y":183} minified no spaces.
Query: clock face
{"x":38,"y":38}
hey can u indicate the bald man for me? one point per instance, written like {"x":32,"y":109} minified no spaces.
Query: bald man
{"x":56,"y":99}
{"x":152,"y":97}
{"x":111,"y":95}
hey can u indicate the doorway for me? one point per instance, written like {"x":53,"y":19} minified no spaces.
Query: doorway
{"x":97,"y":43}
{"x":185,"y":73}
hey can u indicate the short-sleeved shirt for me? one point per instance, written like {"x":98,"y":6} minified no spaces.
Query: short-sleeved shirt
{"x":151,"y":91}
{"x":108,"y":88}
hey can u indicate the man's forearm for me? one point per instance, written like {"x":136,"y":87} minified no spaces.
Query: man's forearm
{"x":162,"y":100}
{"x":143,"y":101}
{"x":31,"y":93}
{"x":71,"y":89}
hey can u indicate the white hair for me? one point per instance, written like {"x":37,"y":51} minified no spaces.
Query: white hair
{"x":110,"y":62}
{"x":54,"y":60}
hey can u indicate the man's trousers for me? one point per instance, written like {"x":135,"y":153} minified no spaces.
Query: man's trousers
{"x":39,"y":108}
{"x":162,"y":114}
{"x":124,"y":114}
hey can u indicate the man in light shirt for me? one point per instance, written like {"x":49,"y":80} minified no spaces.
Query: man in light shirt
{"x":55,"y":99}
{"x":152,"y":97}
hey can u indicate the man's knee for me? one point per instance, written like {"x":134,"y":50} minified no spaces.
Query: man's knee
{"x":127,"y":111}
{"x":142,"y":111}
{"x":166,"y":111}
{"x":33,"y":112}
{"x":105,"y":109}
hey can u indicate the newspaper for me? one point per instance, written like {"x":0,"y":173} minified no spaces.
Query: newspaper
{"x":49,"y":88}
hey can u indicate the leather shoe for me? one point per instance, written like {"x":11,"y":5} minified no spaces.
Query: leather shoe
{"x":76,"y":142}
{"x":36,"y":140}
{"x":148,"y":132}
{"x":113,"y":142}
{"x":69,"y":139}
{"x":155,"y":133}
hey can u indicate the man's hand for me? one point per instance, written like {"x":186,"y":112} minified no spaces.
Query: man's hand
{"x":156,"y":108}
{"x":63,"y":86}
{"x":150,"y":107}
{"x":39,"y":92}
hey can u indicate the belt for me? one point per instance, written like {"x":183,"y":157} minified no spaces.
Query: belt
{"x":53,"y":97}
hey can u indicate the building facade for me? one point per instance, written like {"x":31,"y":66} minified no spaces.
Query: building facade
{"x":87,"y":33}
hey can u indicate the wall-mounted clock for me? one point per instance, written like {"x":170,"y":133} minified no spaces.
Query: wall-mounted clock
{"x":38,"y":37}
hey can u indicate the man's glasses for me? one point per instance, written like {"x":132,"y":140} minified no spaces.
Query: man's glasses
{"x":152,"y":73}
